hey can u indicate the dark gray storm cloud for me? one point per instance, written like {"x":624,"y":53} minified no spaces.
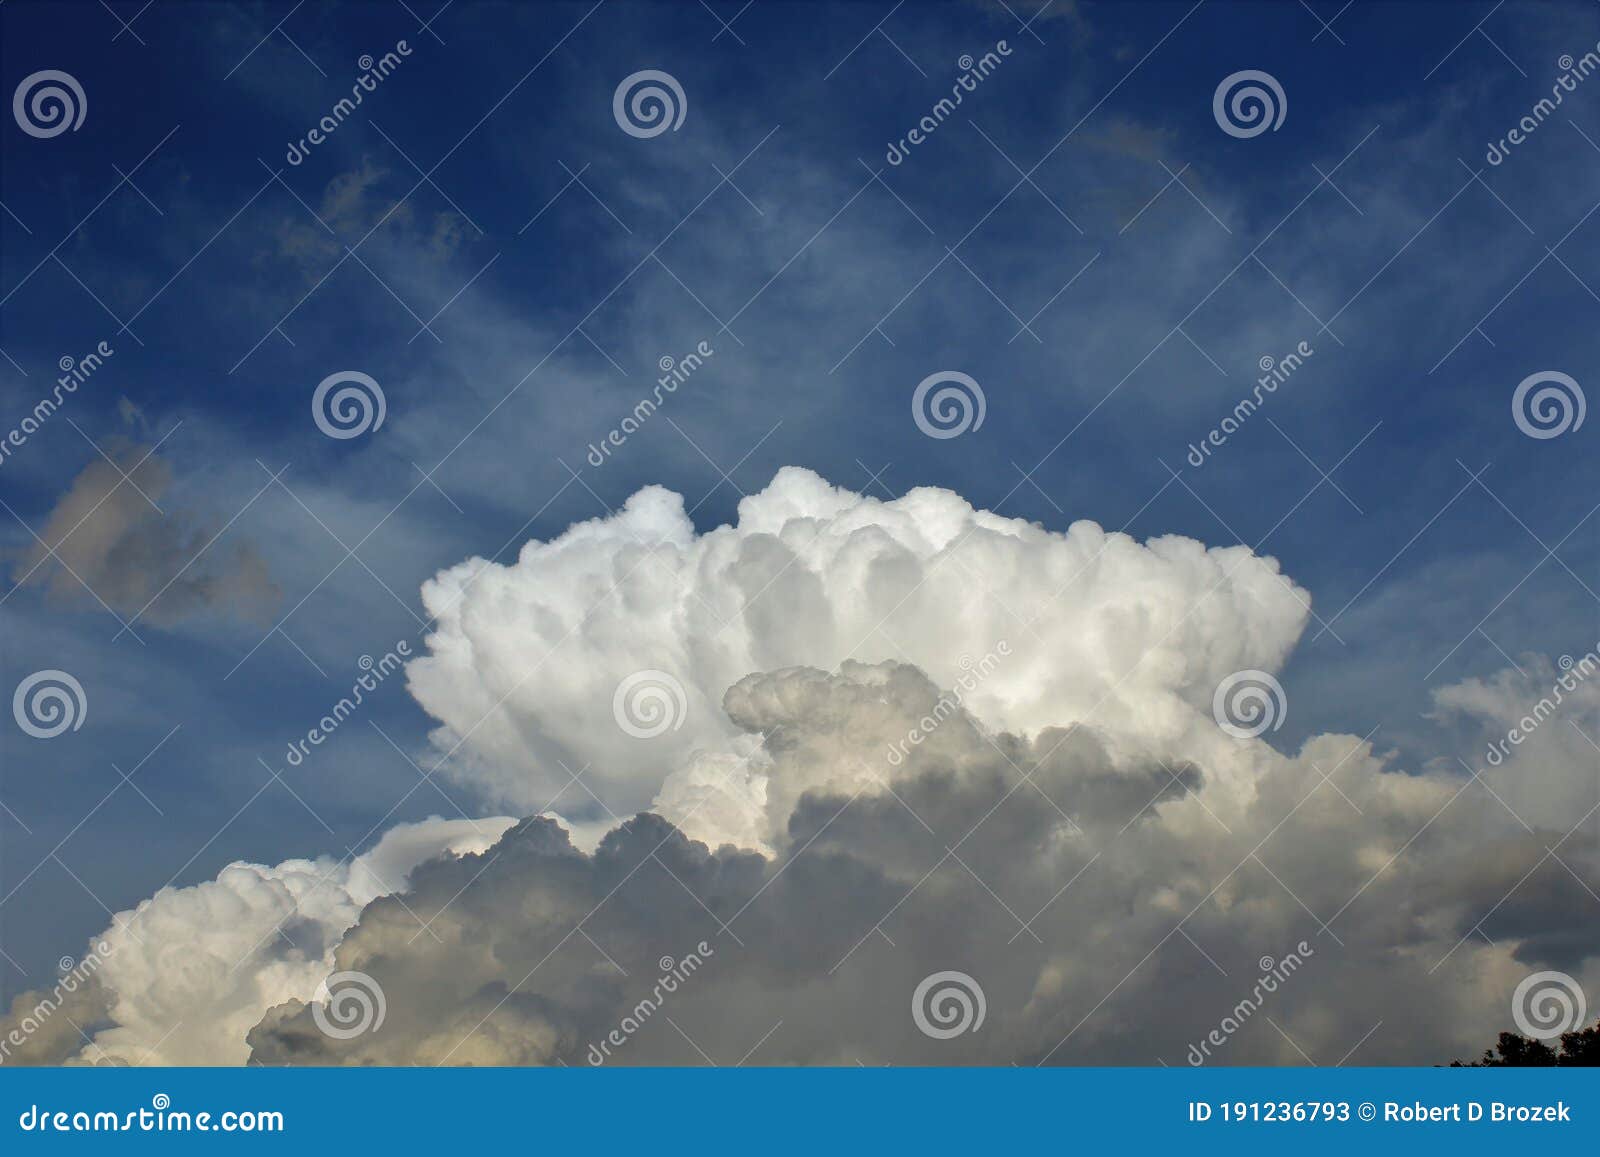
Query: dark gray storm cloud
{"x":1110,"y":910}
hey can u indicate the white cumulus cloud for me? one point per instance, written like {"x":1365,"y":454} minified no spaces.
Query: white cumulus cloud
{"x":526,"y":659}
{"x":183,"y":976}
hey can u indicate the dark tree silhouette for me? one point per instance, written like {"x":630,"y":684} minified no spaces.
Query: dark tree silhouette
{"x":1579,"y":1047}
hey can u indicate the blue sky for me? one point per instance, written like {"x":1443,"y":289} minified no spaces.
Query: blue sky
{"x":481,"y":238}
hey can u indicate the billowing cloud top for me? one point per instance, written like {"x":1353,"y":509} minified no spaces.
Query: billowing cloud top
{"x":525,"y":663}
